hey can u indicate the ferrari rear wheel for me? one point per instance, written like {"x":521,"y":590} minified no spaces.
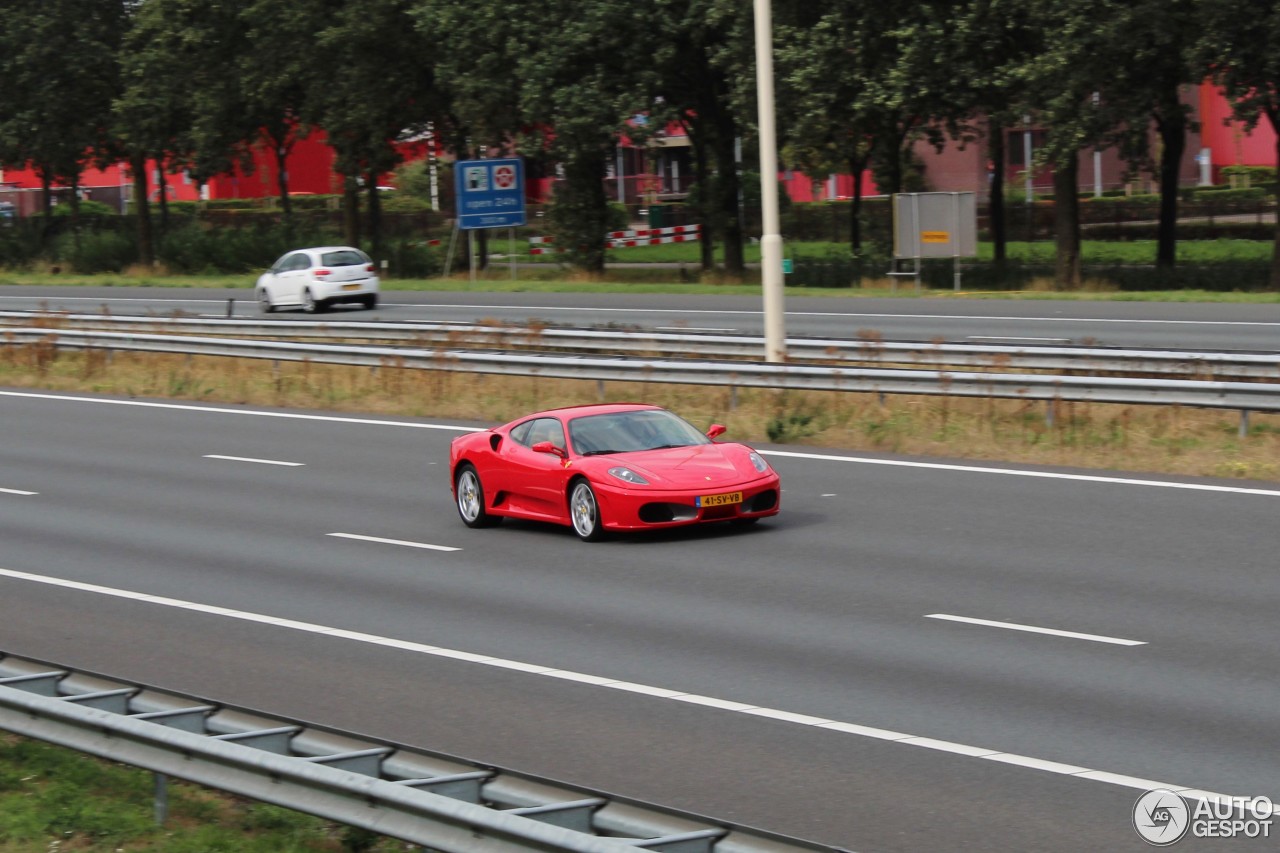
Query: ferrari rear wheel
{"x":584,"y":510}
{"x":470,"y":494}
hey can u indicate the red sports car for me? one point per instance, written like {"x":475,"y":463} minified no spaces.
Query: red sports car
{"x":608,"y":467}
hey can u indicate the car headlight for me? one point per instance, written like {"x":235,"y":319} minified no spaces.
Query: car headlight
{"x":626,"y":475}
{"x":758,"y":461}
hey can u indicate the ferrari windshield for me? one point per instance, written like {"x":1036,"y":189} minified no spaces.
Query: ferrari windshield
{"x":622,"y":432}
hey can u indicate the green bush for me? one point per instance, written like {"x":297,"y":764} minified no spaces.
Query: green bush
{"x":1252,"y":175}
{"x":19,"y":244}
{"x":1228,"y":194}
{"x":399,"y":202}
{"x":88,"y":207}
{"x":1137,"y":198}
{"x":98,"y":251}
{"x":195,"y":248}
{"x":413,"y":258}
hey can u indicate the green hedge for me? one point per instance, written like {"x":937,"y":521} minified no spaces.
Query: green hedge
{"x":1228,"y":194}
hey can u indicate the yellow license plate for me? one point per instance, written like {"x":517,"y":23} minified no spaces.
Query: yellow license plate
{"x":720,"y":500}
{"x":350,"y":287}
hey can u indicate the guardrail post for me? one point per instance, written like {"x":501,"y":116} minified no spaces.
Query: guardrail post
{"x":231,"y":308}
{"x":162,"y":799}
{"x":1244,"y":423}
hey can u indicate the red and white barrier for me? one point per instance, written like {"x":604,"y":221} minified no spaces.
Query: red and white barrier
{"x":627,"y":239}
{"x":654,"y":232}
{"x":653,"y":241}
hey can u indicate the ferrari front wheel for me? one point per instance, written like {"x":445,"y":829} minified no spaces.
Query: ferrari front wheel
{"x":584,"y":510}
{"x":470,"y":495}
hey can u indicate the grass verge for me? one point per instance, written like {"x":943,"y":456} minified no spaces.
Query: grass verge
{"x":1155,"y":439}
{"x":55,"y":800}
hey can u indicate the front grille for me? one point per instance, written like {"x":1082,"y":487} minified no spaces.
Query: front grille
{"x":656,"y":513}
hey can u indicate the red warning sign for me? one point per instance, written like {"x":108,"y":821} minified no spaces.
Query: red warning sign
{"x":504,"y":177}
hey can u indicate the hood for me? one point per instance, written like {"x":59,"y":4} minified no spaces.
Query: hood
{"x":696,"y":466}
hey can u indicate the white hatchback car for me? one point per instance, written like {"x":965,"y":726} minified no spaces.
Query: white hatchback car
{"x":314,"y":279}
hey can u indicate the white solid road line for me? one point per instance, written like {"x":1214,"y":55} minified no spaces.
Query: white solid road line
{"x":689,"y":311}
{"x":393,"y":542}
{"x":1049,"y":475}
{"x":258,"y":461}
{"x":1053,"y":632}
{"x":727,"y":706}
{"x":217,"y":410}
{"x":822,"y":457}
{"x":850,"y":314}
{"x":17,"y":492}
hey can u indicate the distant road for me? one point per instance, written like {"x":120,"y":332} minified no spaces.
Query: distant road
{"x":913,"y":656}
{"x":1207,"y":326}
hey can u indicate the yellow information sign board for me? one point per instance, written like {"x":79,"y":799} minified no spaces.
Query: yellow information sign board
{"x":935,"y":236}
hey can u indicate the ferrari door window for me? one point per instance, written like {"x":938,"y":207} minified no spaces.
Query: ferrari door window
{"x":547,"y":429}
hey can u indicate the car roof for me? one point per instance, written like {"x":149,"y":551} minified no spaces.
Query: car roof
{"x":328,"y":249}
{"x":568,"y":412}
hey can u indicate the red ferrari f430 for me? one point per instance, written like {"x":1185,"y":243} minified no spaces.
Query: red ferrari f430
{"x":609,"y":467}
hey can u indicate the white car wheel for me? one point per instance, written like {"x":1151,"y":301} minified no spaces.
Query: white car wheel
{"x":264,"y":301}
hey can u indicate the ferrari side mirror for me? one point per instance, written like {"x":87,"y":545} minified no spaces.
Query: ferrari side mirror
{"x":716,"y":430}
{"x":548,"y":447}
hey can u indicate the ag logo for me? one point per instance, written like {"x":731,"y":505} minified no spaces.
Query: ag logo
{"x":1161,"y":817}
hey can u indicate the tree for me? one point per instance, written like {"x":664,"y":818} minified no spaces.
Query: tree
{"x":365,"y":109}
{"x":702,"y":56}
{"x":1146,"y":50}
{"x":958,"y":58}
{"x":568,"y":74}
{"x":850,"y":98}
{"x":1102,"y":73}
{"x":1238,"y":44}
{"x":59,"y":64}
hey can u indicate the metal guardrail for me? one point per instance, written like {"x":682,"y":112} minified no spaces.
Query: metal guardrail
{"x":1185,"y":364}
{"x":1243,"y":396}
{"x":434,"y":800}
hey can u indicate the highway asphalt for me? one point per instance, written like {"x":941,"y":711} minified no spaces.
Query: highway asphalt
{"x":1170,"y":326}
{"x":915,"y":655}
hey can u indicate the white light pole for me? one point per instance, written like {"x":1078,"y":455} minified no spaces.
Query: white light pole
{"x":775,"y":334}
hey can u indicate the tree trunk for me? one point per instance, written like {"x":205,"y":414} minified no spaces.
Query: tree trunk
{"x":1171,"y":121}
{"x":702,"y":180}
{"x":857,"y":165}
{"x":142,"y":210}
{"x":75,"y":212}
{"x":995,"y":193}
{"x":727,"y":188}
{"x":580,"y":211}
{"x":46,"y":193}
{"x":351,"y":211}
{"x":282,"y":180}
{"x":375,"y":216}
{"x":1066,"y":216}
{"x":162,"y":194}
{"x":1274,"y":281}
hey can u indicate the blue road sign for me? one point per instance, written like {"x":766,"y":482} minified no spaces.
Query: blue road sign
{"x":490,"y":193}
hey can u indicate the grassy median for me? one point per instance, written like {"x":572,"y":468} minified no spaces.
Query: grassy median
{"x":1156,"y":439}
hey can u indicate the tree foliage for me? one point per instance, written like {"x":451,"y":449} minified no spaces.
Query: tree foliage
{"x":195,"y":84}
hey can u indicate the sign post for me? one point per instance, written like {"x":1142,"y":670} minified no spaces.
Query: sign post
{"x":490,"y":194}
